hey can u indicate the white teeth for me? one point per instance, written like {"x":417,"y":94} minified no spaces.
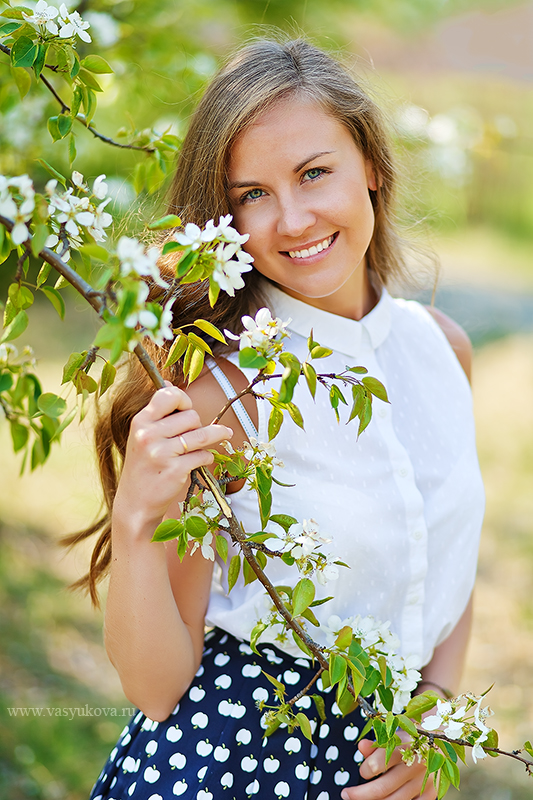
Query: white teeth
{"x":313,"y":250}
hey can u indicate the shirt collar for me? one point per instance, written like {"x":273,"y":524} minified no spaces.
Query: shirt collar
{"x":344,"y":335}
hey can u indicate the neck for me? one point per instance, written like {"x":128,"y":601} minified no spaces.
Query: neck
{"x":356,"y":298}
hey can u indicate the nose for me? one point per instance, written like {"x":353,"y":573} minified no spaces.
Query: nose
{"x":294,"y":217}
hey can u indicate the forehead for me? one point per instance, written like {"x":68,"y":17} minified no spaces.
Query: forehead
{"x":290,"y":131}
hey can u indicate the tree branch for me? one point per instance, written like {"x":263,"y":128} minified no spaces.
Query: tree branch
{"x":79,"y":117}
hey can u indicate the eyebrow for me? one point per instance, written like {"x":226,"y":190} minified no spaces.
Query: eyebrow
{"x":297,"y":168}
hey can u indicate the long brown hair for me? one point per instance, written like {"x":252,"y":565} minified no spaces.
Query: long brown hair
{"x":254,"y":79}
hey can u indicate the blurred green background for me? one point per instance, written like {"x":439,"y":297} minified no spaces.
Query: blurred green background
{"x":455,"y":78}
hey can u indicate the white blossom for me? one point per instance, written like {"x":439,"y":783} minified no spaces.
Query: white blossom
{"x":72,"y":25}
{"x":18,"y":215}
{"x":73,"y":211}
{"x":77,"y":180}
{"x":328,"y":572}
{"x":205,"y":546}
{"x":229,"y":234}
{"x":102,"y":219}
{"x":134,"y":259}
{"x":50,"y":187}
{"x":193,"y":236}
{"x":43,"y":17}
{"x":100,"y":188}
{"x":259,"y":332}
{"x":228,"y":271}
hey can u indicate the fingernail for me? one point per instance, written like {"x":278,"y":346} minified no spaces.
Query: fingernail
{"x":344,"y":795}
{"x":230,"y":431}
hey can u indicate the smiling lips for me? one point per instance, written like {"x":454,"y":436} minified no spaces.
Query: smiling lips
{"x":314,"y":249}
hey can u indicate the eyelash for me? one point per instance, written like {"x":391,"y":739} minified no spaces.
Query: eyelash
{"x":245,"y":198}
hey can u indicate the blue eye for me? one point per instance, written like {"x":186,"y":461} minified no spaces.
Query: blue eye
{"x":253,"y":194}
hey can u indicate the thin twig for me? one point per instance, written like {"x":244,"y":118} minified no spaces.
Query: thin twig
{"x":65,"y":109}
{"x":304,"y":691}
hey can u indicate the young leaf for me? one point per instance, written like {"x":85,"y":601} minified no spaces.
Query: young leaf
{"x":377,"y":388}
{"x":320,"y":706}
{"x":51,"y":404}
{"x":23,"y":52}
{"x":55,"y":298}
{"x":170,"y":221}
{"x":255,"y":635}
{"x":371,"y":683}
{"x":177,"y":350}
{"x":248,"y":573}
{"x":196,"y":340}
{"x":108,"y":377}
{"x":295,"y":414}
{"x":302,"y":645}
{"x":344,"y":637}
{"x":421,"y":703}
{"x":197,"y":363}
{"x":305,"y":725}
{"x":285,"y":521}
{"x":168,"y":530}
{"x":233,"y":571}
{"x":210,"y":329}
{"x":366,"y":415}
{"x":96,"y":64}
{"x":250,"y":358}
{"x":337,"y":668}
{"x":53,"y":129}
{"x":221,"y":544}
{"x":274,"y":681}
{"x":196,"y":527}
{"x":310,"y":377}
{"x":302,"y":596}
{"x":275,"y":422}
{"x":320,"y":352}
{"x":38,"y":240}
{"x":89,"y":80}
{"x":22,"y":79}
{"x":19,"y":435}
{"x":407,"y":725}
{"x":72,"y":153}
{"x":53,"y":172}
{"x":6,"y":381}
{"x":15,"y":328}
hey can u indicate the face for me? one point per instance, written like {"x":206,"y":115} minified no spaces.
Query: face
{"x":299,"y":186}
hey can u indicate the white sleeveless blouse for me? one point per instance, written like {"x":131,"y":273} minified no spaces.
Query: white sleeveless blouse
{"x":403,"y":504}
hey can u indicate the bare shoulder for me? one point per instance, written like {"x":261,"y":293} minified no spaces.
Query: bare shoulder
{"x":457,"y":337}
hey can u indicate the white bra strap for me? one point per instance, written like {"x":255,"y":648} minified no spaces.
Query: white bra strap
{"x":240,"y":411}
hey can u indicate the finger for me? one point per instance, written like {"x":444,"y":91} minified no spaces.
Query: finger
{"x":375,"y":759}
{"x":200,"y":439}
{"x":397,"y":783}
{"x":165,"y":401}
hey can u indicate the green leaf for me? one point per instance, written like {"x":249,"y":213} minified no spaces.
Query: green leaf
{"x":452,"y":771}
{"x":196,"y":527}
{"x":357,"y":370}
{"x":96,"y":64}
{"x":168,"y":530}
{"x":64,"y":124}
{"x":55,"y":298}
{"x":221,"y":544}
{"x":22,"y":79}
{"x":72,"y":153}
{"x":233,"y":571}
{"x":386,"y":697}
{"x":377,"y":388}
{"x":320,"y":706}
{"x":198,"y":342}
{"x":38,"y":64}
{"x":344,"y":637}
{"x":406,"y":724}
{"x":275,"y":421}
{"x":214,"y":291}
{"x":444,"y":785}
{"x":15,"y":328}
{"x":38,"y":239}
{"x":302,"y":645}
{"x":19,"y":435}
{"x":420,"y":704}
{"x":196,"y":364}
{"x":89,"y":80}
{"x":6,"y":381}
{"x":107,"y":378}
{"x":284,"y":520}
{"x":23,"y":52}
{"x":305,"y":725}
{"x":371,"y":683}
{"x":310,"y":377}
{"x":295,"y":414}
{"x":9,"y":27}
{"x":75,"y":360}
{"x":53,"y":129}
{"x":320,"y":352}
{"x":248,"y":573}
{"x":210,"y":329}
{"x":302,"y":596}
{"x":337,"y":668}
{"x":169,"y":221}
{"x":95,"y":251}
{"x":52,"y":171}
{"x":274,"y":681}
{"x":84,"y":383}
{"x":89,"y":103}
{"x":435,"y":760}
{"x":51,"y":404}
{"x":65,"y":422}
{"x":392,"y":744}
{"x":250,"y":358}
{"x":16,"y":13}
{"x":178,"y":348}
{"x":366,"y":415}
{"x":255,"y":635}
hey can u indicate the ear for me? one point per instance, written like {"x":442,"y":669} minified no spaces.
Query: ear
{"x":371,"y":181}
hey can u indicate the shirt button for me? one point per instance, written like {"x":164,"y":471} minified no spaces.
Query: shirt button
{"x":403,"y":471}
{"x":382,"y":412}
{"x":413,"y":600}
{"x":417,"y":535}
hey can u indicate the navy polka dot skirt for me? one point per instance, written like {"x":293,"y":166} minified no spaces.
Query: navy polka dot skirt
{"x":212,"y":746}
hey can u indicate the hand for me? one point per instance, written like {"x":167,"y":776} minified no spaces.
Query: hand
{"x":163,"y":447}
{"x":397,"y":781}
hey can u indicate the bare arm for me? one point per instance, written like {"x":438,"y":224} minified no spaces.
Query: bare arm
{"x":154,"y":643}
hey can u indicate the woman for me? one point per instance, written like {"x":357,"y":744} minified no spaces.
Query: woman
{"x":289,"y":144}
